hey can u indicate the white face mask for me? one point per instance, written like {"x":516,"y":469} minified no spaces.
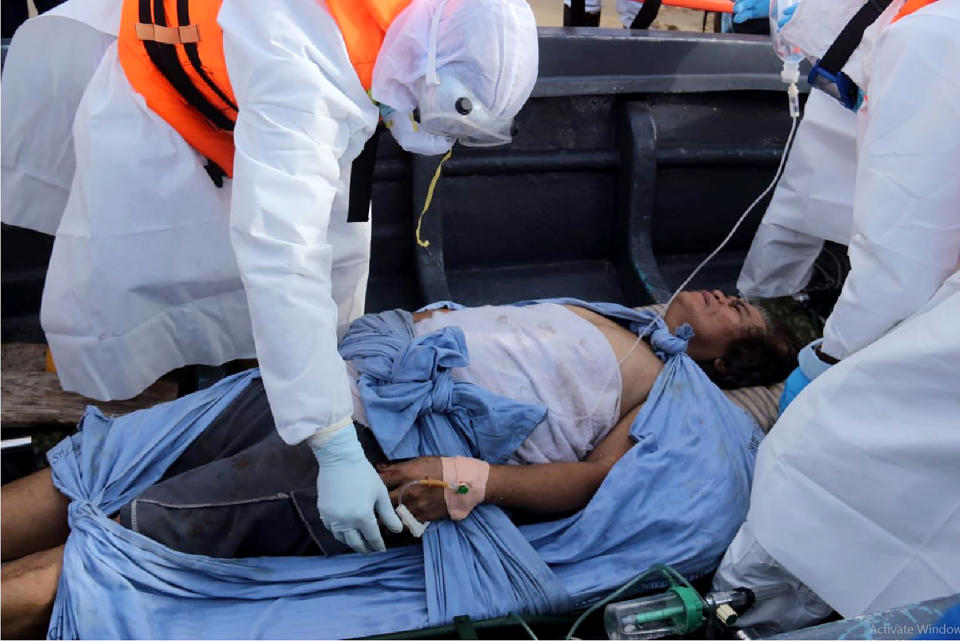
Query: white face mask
{"x":449,"y":108}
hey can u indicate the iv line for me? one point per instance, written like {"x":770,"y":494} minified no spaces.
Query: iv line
{"x":703,"y":263}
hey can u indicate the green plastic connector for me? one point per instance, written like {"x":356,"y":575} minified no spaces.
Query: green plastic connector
{"x":463,"y":489}
{"x":693,"y":607}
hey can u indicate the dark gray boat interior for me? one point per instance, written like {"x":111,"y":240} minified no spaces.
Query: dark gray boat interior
{"x":632,"y":160}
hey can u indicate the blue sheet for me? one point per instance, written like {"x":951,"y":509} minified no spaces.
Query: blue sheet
{"x":676,"y":497}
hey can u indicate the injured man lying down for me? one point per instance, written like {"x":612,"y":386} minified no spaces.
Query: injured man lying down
{"x":534,"y":403}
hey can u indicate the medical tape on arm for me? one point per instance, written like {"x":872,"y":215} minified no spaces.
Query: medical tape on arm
{"x":458,"y":472}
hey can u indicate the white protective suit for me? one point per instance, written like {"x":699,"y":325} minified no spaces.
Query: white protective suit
{"x":855,"y":489}
{"x":153,"y":267}
{"x":813,"y":202}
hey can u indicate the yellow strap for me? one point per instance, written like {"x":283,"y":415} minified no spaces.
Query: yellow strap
{"x":429,"y":198}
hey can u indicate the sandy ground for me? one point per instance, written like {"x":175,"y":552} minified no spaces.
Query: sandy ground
{"x":550,"y":14}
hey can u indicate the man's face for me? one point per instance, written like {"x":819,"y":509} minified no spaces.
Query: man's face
{"x":717,"y":321}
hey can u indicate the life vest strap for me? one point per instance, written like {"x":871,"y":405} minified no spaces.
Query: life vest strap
{"x":164,"y":57}
{"x":168,"y":35}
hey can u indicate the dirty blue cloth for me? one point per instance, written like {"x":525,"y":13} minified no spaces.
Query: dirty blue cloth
{"x":415,"y":408}
{"x":676,"y":497}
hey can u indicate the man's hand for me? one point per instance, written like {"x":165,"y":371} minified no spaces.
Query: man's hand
{"x":349,"y":492}
{"x":425,"y":503}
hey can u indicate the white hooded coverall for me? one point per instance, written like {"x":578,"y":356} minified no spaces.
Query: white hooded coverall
{"x":813,"y":202}
{"x":153,"y":266}
{"x":855,"y":492}
{"x":145,"y":274}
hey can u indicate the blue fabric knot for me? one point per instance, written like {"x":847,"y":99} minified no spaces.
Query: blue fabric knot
{"x":404,"y":379}
{"x":665,"y":344}
{"x":416,"y":408}
{"x":441,"y":396}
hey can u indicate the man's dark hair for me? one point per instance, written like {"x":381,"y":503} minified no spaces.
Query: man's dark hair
{"x":763,"y":359}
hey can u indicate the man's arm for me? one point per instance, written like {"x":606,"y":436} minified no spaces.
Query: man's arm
{"x":547,"y":488}
{"x":551,"y":488}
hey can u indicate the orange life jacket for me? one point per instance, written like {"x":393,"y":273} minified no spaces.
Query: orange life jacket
{"x":172,"y":53}
{"x":910,"y":6}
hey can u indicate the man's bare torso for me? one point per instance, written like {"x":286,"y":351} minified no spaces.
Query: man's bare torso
{"x":638,"y":371}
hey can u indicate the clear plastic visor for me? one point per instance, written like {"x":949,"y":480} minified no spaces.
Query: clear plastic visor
{"x":448,"y":108}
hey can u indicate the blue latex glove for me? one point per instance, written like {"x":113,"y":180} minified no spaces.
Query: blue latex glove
{"x":787,"y":15}
{"x":744,"y":10}
{"x":795,"y":384}
{"x":349,"y":491}
{"x":810,"y":367}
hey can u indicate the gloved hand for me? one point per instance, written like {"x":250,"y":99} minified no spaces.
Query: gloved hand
{"x":787,"y":15}
{"x":795,"y":384}
{"x":744,"y":10}
{"x":349,"y":491}
{"x":409,"y":135}
{"x":810,"y":367}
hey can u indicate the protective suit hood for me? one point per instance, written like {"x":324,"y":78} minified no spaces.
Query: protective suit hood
{"x":817,"y":23}
{"x":438,"y":51}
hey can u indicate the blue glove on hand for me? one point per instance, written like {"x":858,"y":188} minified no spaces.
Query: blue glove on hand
{"x":349,"y":491}
{"x":744,"y":10}
{"x":810,"y":367}
{"x":795,"y":384}
{"x":786,"y":16}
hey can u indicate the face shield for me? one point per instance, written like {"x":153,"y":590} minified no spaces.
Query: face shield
{"x":466,"y":67}
{"x":449,"y":108}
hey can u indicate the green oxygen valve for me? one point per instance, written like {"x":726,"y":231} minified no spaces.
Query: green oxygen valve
{"x":675,"y":612}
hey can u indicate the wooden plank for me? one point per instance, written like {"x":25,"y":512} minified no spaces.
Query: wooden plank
{"x":23,"y":357}
{"x":31,"y":398}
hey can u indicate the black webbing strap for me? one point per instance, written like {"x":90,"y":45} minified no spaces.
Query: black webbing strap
{"x":164,"y":58}
{"x":849,"y":38}
{"x":215,"y":172}
{"x":361,"y":181}
{"x":193,"y":55}
{"x":646,"y":15}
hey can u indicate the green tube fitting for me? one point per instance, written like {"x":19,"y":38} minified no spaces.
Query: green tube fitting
{"x":692,"y":605}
